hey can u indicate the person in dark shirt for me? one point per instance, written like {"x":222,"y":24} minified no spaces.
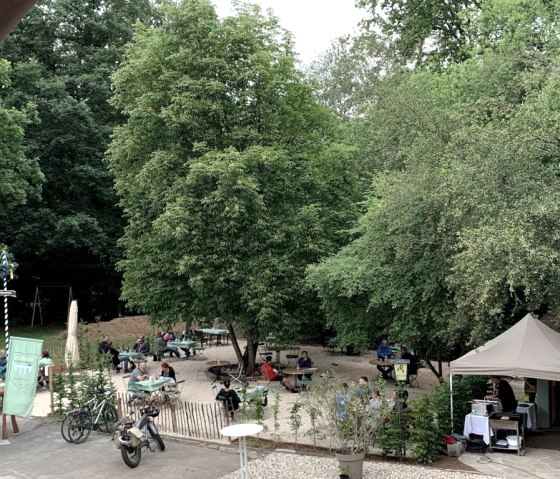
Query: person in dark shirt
{"x":229,"y":397}
{"x":412,"y":369}
{"x":106,"y":347}
{"x":384,"y":353}
{"x":505,"y":395}
{"x":167,"y":371}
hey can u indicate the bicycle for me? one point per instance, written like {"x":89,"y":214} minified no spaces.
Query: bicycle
{"x":132,"y":437}
{"x":97,"y":414}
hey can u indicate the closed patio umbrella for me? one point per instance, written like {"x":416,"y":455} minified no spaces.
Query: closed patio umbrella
{"x":72,"y":354}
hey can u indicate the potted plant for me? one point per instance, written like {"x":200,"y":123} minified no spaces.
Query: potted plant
{"x":343,"y":415}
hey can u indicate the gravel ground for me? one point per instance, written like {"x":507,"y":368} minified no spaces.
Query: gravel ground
{"x":295,"y":466}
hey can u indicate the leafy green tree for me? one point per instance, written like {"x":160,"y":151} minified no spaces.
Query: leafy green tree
{"x":62,"y":56}
{"x":464,"y":183}
{"x":224,"y":173}
{"x":20,"y":176}
{"x":437,"y":33}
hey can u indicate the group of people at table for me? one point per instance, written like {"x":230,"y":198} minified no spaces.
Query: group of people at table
{"x":385,"y":364}
{"x":163,"y":344}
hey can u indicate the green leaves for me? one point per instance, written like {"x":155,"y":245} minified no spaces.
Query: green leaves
{"x":224,"y":172}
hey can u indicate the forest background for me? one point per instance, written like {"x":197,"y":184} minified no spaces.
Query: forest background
{"x":162,"y":160}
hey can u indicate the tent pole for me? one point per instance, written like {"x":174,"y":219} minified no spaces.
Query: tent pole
{"x":451,"y":399}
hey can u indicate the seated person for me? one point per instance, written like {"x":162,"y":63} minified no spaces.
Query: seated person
{"x":504,"y":394}
{"x":106,"y":347}
{"x":272,"y":374}
{"x":376,"y":402}
{"x":342,"y":398}
{"x":304,"y":361}
{"x":162,"y":348}
{"x":140,"y":373}
{"x":229,"y":397}
{"x":170,"y":336}
{"x":412,"y":369}
{"x":42,"y":377}
{"x":142,"y":345}
{"x":167,"y":371}
{"x":384,"y":352}
{"x":3,"y":362}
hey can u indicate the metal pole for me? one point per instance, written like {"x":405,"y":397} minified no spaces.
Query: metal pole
{"x":451,"y":399}
{"x":5,"y":272}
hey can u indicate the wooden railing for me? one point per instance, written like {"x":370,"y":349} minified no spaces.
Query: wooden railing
{"x":187,"y":419}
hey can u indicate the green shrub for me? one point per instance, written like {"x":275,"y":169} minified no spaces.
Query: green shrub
{"x":425,"y":432}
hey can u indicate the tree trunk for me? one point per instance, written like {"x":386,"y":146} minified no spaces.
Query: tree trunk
{"x":251,"y":351}
{"x":235,"y":344}
{"x":247,"y":358}
{"x":437,"y":373}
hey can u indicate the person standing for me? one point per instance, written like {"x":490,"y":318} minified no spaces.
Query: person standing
{"x":504,"y":394}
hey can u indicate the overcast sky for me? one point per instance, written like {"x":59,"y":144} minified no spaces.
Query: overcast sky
{"x":314,"y":23}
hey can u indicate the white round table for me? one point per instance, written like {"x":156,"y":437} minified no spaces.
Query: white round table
{"x":242,"y":431}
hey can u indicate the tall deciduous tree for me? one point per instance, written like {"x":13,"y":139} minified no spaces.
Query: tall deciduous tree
{"x":62,"y":55}
{"x":459,"y":235}
{"x":224,"y":173}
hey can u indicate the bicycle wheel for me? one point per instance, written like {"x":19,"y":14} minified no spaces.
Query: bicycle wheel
{"x":131,"y":455}
{"x":64,"y":427}
{"x":108,"y":419}
{"x":79,"y":427}
{"x":156,"y":437}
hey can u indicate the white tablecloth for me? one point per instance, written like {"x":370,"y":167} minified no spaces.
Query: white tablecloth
{"x":477,"y":425}
{"x":529,"y":414}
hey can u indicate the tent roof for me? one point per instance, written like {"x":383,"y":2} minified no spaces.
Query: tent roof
{"x":528,"y":349}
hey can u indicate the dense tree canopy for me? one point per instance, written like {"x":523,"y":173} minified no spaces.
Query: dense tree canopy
{"x":225,"y":173}
{"x":62,"y":55}
{"x":20,"y":176}
{"x":460,"y":230}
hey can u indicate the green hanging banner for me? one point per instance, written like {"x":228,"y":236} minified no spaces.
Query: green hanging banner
{"x":21,"y":376}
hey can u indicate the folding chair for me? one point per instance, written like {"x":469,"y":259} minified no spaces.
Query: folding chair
{"x":172,"y":391}
{"x":236,"y":375}
{"x":293,"y":355}
{"x":202,"y":338}
{"x":306,"y":380}
{"x":199,"y":352}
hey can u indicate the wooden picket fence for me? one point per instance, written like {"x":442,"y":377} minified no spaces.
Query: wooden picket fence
{"x":187,"y":419}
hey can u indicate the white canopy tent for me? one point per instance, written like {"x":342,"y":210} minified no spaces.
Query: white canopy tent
{"x":528,"y":349}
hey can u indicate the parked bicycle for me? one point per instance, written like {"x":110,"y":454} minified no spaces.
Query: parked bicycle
{"x":97,"y":414}
{"x":132,"y":437}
